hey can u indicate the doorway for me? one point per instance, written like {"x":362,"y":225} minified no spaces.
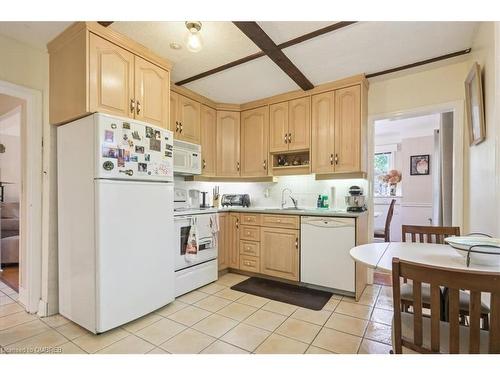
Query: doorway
{"x":11,"y":115}
{"x":21,"y":218}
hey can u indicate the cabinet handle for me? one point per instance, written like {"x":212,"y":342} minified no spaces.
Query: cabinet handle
{"x":247,"y":263}
{"x":204,"y":164}
{"x":132,"y":105}
{"x":238,"y":165}
{"x":289,"y":137}
{"x":331,"y":159}
{"x":286,"y":138}
{"x":182,"y":127}
{"x":138,"y":107}
{"x":177,"y":126}
{"x":297,"y":243}
{"x":264,"y":164}
{"x":336,"y":159}
{"x":237,"y":223}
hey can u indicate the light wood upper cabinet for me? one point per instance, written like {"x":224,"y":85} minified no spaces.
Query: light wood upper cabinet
{"x":152,"y":87}
{"x":95,"y":70}
{"x":322,"y":144}
{"x":279,"y":253}
{"x":223,"y":240}
{"x":254,"y":142}
{"x":228,"y":144}
{"x":278,"y":124}
{"x":208,"y":141}
{"x":299,"y":124}
{"x":189,"y":116}
{"x":348,"y":129}
{"x":234,"y":240}
{"x":111,"y":78}
{"x":174,"y":116}
{"x":338,"y":133}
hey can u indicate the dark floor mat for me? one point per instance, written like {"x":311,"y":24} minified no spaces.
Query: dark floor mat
{"x":293,"y":294}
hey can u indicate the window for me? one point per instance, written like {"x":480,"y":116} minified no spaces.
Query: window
{"x":382,"y":164}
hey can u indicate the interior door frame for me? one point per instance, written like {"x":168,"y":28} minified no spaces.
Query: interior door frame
{"x":457,"y":108}
{"x":30,"y":289}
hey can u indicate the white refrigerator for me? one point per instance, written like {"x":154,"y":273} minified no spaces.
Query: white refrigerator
{"x":115,"y":220}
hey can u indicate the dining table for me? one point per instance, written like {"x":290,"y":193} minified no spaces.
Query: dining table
{"x":379,"y":255}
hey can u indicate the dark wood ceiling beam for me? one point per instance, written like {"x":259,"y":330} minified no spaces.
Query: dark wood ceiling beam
{"x":419,"y":63}
{"x":255,"y":33}
{"x":105,"y":23}
{"x":289,"y":43}
{"x":316,"y":33}
{"x":221,"y":68}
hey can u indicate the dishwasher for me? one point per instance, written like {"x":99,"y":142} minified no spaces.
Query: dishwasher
{"x":324,"y":252}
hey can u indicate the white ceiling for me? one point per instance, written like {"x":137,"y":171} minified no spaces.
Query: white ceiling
{"x":223,"y":42}
{"x":364,"y":47}
{"x":393,"y":131}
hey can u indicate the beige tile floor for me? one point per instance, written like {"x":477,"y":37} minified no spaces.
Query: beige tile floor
{"x":213,"y":320}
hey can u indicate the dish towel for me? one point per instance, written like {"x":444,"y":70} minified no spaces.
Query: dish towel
{"x":192,"y":242}
{"x":214,"y":226}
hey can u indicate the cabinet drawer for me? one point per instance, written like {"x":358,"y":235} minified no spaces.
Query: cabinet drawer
{"x":250,"y":219}
{"x":249,"y":263}
{"x":281,"y":221}
{"x":248,"y":232}
{"x":250,"y":248}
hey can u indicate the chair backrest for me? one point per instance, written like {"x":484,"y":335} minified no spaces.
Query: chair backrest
{"x":426,"y":233}
{"x":388,"y":219}
{"x":454,"y":280}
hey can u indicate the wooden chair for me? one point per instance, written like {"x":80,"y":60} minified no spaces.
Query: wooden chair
{"x":430,"y":335}
{"x":437,"y":235}
{"x":385,"y":232}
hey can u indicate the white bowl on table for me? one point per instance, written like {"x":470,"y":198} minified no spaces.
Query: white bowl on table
{"x":462,"y":244}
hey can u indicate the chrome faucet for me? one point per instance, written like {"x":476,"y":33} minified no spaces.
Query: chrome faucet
{"x":283,"y":201}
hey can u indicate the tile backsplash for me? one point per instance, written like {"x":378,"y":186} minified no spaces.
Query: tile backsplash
{"x":268,"y":194}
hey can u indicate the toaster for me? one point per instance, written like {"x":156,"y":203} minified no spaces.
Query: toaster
{"x":242,"y":200}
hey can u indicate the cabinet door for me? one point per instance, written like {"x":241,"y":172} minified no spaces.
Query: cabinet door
{"x":174,"y":113}
{"x":111,"y":78}
{"x":278,"y":125}
{"x":189,"y":119}
{"x":279,"y":253}
{"x":223,"y":239}
{"x":208,"y":140}
{"x":234,"y":243}
{"x":299,"y":124}
{"x":348,"y":129}
{"x":254,"y":142}
{"x":228,"y":144}
{"x":152,"y":90}
{"x":322,"y":142}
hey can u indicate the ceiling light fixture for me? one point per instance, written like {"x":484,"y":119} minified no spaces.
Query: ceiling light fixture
{"x":194,"y":41}
{"x":175,"y":45}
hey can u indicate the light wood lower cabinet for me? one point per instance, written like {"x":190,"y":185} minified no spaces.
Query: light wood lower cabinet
{"x":279,"y":253}
{"x":223,"y":241}
{"x":234,"y":240}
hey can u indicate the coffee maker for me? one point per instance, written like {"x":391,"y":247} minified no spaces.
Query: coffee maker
{"x":355,"y":201}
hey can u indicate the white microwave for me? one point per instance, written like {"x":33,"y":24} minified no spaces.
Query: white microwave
{"x":187,"y":158}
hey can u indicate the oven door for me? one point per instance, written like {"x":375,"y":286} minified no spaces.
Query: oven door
{"x":207,"y":249}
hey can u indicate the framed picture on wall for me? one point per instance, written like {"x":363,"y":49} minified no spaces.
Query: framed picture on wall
{"x":419,"y":165}
{"x":474,"y":105}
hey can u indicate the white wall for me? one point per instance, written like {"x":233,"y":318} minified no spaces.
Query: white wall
{"x":304,"y":188}
{"x":10,"y":160}
{"x":24,"y":65}
{"x":482,"y":180}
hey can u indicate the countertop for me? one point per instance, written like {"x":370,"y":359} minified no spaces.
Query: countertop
{"x":300,"y":212}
